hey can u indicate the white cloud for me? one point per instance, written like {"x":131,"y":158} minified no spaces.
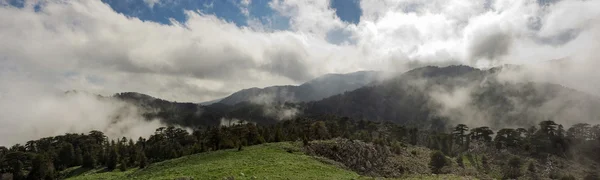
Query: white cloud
{"x":151,"y":3}
{"x":186,"y":61}
{"x":86,"y":45}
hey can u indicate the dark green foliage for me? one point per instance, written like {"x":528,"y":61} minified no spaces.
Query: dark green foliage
{"x":507,"y":138}
{"x":112,"y":159}
{"x":123,"y":165}
{"x":459,"y":161}
{"x":143,"y":160}
{"x":78,"y":157}
{"x":460,"y":135}
{"x":278,"y":135}
{"x":482,"y":133}
{"x":305,"y":141}
{"x":485,"y":163}
{"x":132,"y":152}
{"x":531,"y":168}
{"x":17,"y":170}
{"x":66,"y":156}
{"x":318,"y":130}
{"x":396,"y":147}
{"x":89,"y":161}
{"x":512,"y":170}
{"x":170,"y":142}
{"x":413,"y":152}
{"x":41,"y":168}
{"x":437,"y":162}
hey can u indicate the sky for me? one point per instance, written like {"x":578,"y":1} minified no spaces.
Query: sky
{"x":200,"y":50}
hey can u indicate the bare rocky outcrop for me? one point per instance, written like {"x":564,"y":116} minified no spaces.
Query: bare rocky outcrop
{"x":365,"y":158}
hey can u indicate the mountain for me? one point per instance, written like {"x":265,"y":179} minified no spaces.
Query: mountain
{"x":316,"y":89}
{"x":428,"y":98}
{"x":436,"y":97}
{"x":175,"y":113}
{"x":206,"y":103}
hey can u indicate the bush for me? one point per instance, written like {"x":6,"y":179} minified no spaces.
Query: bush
{"x":485,"y":163}
{"x":531,"y":167}
{"x":437,"y":162}
{"x":459,"y":161}
{"x":123,"y":166}
{"x":143,"y":160}
{"x":413,"y":152}
{"x":364,"y":158}
{"x":513,"y":168}
{"x":88,"y":160}
{"x":396,"y":147}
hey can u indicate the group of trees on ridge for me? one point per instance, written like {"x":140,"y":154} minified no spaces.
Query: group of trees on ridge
{"x":47,"y":157}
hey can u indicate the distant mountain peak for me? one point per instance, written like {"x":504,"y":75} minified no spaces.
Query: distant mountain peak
{"x":315,"y":89}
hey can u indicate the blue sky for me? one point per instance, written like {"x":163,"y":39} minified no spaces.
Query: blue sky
{"x":229,"y":10}
{"x":102,"y":46}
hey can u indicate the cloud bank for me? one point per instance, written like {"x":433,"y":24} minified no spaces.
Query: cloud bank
{"x":56,"y":45}
{"x":206,"y":57}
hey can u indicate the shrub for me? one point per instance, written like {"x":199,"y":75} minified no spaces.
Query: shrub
{"x":88,"y":160}
{"x":513,"y":168}
{"x":459,"y":161}
{"x":143,"y":160}
{"x":123,"y":166}
{"x":531,"y":167}
{"x":437,"y":162}
{"x":413,"y":152}
{"x":396,"y":147}
{"x":484,"y":162}
{"x":364,"y":158}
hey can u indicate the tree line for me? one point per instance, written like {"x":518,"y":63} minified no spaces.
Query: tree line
{"x":45,"y":158}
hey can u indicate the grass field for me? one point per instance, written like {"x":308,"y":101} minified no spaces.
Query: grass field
{"x":267,"y":161}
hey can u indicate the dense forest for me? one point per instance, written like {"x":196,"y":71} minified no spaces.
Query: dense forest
{"x":45,"y":158}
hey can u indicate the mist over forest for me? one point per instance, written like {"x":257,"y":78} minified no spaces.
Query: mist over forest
{"x":190,"y":77}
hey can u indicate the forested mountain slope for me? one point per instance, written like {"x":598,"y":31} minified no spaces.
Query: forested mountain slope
{"x":434,"y":97}
{"x":316,"y":89}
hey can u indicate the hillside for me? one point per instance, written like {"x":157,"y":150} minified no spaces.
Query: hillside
{"x":438,"y":97}
{"x":266,"y":161}
{"x":428,"y":98}
{"x":316,"y":89}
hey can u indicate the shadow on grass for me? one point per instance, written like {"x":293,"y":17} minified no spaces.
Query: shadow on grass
{"x":105,"y":170}
{"x":77,"y":172}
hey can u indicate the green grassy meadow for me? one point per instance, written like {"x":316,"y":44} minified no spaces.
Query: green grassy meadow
{"x":266,"y":161}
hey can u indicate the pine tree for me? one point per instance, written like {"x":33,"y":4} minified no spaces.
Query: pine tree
{"x":123,"y":165}
{"x":88,"y":160}
{"x":133,"y":150}
{"x":143,"y":160}
{"x":113,"y":158}
{"x":513,"y":168}
{"x":40,"y":168}
{"x":437,"y":162}
{"x":278,"y":134}
{"x":17,"y":169}
{"x":66,"y":156}
{"x":78,"y":156}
